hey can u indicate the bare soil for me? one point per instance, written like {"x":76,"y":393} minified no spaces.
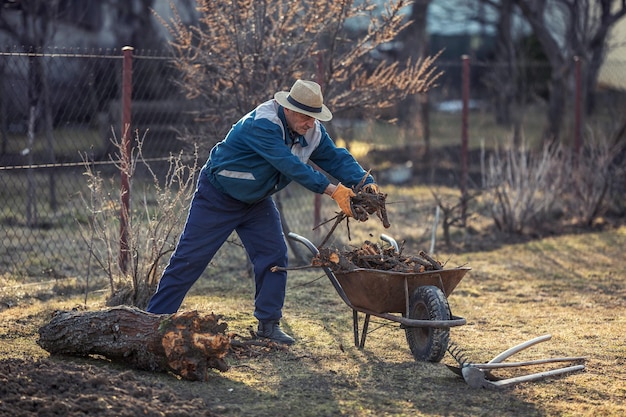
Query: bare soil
{"x":66,"y":387}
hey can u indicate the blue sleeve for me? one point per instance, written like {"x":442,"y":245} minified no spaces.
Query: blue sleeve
{"x":269,"y":144}
{"x":338,"y":162}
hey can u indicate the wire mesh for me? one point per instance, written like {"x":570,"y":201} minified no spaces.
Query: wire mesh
{"x":60,"y":109}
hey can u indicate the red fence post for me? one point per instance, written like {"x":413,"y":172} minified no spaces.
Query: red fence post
{"x":465,"y":134}
{"x":127,"y":88}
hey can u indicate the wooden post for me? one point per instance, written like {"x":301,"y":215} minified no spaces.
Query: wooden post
{"x":127,"y":88}
{"x":317,"y":198}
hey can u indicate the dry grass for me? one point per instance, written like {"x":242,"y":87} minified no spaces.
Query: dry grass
{"x":570,"y":286}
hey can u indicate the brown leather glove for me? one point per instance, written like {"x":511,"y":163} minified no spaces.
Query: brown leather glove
{"x":342,"y":195}
{"x":371,"y":188}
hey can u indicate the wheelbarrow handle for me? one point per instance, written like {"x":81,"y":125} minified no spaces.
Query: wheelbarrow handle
{"x":391,"y":241}
{"x":306,"y":242}
{"x":329,"y":273}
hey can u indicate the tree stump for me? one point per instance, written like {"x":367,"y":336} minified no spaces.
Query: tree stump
{"x":186,"y":344}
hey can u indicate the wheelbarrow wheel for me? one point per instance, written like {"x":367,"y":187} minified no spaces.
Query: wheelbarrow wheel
{"x":428,"y":344}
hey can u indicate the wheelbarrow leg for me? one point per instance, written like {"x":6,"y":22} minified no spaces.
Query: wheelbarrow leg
{"x":355,"y":320}
{"x":355,"y":323}
{"x":364,"y":331}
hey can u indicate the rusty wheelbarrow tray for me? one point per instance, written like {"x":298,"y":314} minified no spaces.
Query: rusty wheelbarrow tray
{"x":417,"y":301}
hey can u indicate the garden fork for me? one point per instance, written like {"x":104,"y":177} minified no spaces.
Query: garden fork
{"x":478,"y":375}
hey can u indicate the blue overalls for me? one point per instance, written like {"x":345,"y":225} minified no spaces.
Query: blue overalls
{"x":212,"y":218}
{"x":255,"y":160}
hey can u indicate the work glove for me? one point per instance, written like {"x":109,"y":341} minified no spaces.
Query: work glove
{"x":371,"y":188}
{"x":342,"y":195}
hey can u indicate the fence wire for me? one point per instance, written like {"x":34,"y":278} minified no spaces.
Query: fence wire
{"x":60,"y":111}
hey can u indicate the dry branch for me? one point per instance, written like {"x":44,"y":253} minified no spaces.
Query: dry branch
{"x":372,"y":256}
{"x":433,"y":262}
{"x":363,"y":204}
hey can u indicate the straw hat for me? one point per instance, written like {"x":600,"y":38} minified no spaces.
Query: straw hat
{"x":305,"y":97}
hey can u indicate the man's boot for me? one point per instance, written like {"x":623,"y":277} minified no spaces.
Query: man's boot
{"x":271,"y":330}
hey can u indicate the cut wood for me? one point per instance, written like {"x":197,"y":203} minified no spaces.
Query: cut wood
{"x":371,"y":256}
{"x":363,"y":204}
{"x":432,"y":261}
{"x":187,"y":344}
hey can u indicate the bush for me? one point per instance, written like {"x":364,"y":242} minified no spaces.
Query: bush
{"x":525,"y":188}
{"x":592,"y":178}
{"x":152,"y":228}
{"x":522,"y":187}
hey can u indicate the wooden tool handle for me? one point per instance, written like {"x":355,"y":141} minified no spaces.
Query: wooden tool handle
{"x":521,"y":346}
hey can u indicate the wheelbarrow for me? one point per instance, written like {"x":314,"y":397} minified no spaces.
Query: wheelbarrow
{"x":417,"y":301}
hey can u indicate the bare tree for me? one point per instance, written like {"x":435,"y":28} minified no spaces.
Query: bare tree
{"x":503,"y":78}
{"x":242,"y":52}
{"x":585,"y":27}
{"x":593,"y":42}
{"x":414,"y":40}
{"x":32,"y":23}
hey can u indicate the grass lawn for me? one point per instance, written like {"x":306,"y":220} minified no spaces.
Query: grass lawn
{"x":571,"y":286}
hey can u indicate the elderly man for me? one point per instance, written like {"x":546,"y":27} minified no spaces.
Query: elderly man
{"x":263,"y":152}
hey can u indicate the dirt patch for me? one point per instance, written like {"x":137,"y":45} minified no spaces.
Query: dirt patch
{"x":48,"y":387}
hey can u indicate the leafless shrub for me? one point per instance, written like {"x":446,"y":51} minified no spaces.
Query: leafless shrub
{"x":153,"y":227}
{"x":592,"y":176}
{"x":452,"y":211}
{"x":521,"y":186}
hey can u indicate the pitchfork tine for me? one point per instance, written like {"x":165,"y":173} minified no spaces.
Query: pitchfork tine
{"x":458,"y":354}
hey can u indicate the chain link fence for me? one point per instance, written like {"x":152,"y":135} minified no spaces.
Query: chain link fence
{"x":62,"y":114}
{"x":61,"y":111}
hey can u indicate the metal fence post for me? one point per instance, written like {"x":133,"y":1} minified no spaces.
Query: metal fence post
{"x":127,"y":88}
{"x":578,"y":108}
{"x":465,"y":134}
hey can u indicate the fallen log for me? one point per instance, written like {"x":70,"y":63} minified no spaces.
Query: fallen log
{"x":187,"y":344}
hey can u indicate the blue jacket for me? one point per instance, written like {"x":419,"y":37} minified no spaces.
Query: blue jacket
{"x":259,"y":158}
